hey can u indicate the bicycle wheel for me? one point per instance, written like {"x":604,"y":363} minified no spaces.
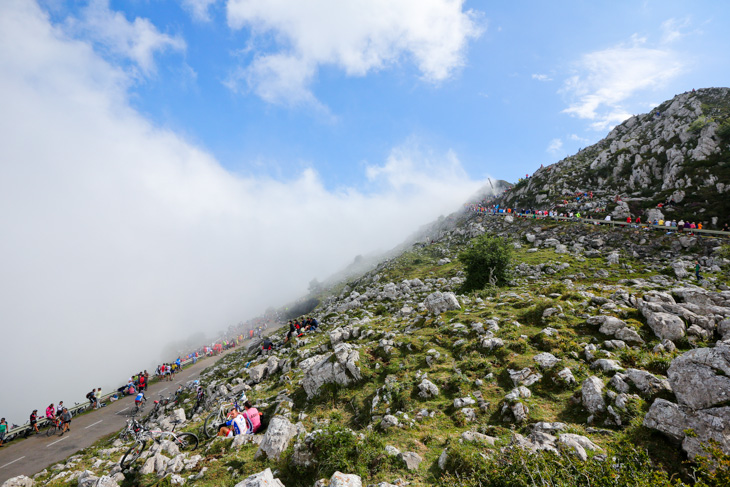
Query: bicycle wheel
{"x":51,"y":430}
{"x":134,"y":411}
{"x":186,"y":441}
{"x":211,"y":425}
{"x":134,"y":452}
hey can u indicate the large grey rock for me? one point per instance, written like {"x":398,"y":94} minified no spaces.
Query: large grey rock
{"x":628,"y":335}
{"x":277,"y":437}
{"x":388,"y":421}
{"x":700,"y":378}
{"x":723,"y":328}
{"x":647,"y":383}
{"x":665,"y":325}
{"x":675,"y":421}
{"x":438,"y":302}
{"x":261,"y":479}
{"x":535,"y":442}
{"x":606,"y":365}
{"x":592,"y":395}
{"x":322,"y":369}
{"x":546,"y":360}
{"x":411,"y":459}
{"x":427,"y":389}
{"x":523,"y":376}
{"x":492,"y":343}
{"x":474,"y":437}
{"x":19,"y":481}
{"x":106,"y":481}
{"x":340,"y":479}
{"x":578,"y":444}
{"x":257,"y":373}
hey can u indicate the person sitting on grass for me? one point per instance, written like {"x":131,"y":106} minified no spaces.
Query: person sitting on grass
{"x":236,"y":425}
{"x":253,"y":418}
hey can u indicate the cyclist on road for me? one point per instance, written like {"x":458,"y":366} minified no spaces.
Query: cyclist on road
{"x":139,"y":398}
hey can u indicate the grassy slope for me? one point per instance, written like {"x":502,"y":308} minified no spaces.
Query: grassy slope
{"x":518,"y":311}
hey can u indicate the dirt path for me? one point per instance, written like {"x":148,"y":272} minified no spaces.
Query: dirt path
{"x":30,"y":456}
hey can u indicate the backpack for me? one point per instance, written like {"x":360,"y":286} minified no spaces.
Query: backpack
{"x":89,"y":395}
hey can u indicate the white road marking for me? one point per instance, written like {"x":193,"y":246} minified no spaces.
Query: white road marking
{"x":163,"y":390}
{"x":10,"y":463}
{"x":51,"y":444}
{"x":94,"y":424}
{"x":122,"y":410}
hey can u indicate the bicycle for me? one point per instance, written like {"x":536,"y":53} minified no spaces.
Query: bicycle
{"x":132,"y":429}
{"x":54,"y":427}
{"x":184,"y":441}
{"x":202,"y":403}
{"x":215,"y":419}
{"x":138,"y":407}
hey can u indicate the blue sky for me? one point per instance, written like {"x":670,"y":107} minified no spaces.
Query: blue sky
{"x":170,"y":167}
{"x":500,"y":103}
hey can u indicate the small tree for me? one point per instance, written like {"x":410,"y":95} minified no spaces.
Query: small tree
{"x":486,"y":262}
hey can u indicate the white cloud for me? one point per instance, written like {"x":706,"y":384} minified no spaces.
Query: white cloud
{"x":356,"y":36}
{"x":606,"y":79}
{"x":199,"y":9}
{"x":114,"y":229}
{"x":137,"y":41}
{"x":541,"y":77}
{"x":577,"y":138}
{"x":555,"y":146}
{"x":674,"y":29}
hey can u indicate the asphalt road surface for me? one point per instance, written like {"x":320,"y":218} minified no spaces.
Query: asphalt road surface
{"x":30,"y":456}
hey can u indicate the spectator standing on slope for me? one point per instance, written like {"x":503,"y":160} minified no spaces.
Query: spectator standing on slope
{"x":697,"y":271}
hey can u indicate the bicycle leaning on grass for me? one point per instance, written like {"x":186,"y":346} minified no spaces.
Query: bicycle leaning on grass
{"x":184,"y":441}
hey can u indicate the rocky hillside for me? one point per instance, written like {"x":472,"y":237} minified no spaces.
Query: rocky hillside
{"x":679,"y":153}
{"x":604,"y":363}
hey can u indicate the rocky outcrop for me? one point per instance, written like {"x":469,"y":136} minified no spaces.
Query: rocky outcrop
{"x":592,"y":395}
{"x":339,"y":367}
{"x":261,"y":479}
{"x":699,"y":379}
{"x":19,"y":481}
{"x":438,"y":302}
{"x":277,"y":437}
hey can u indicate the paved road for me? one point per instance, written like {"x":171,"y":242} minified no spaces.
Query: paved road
{"x":28,"y":457}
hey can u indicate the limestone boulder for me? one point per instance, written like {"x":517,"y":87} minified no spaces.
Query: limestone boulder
{"x":427,"y":389}
{"x":340,"y":479}
{"x":700,"y":378}
{"x":592,"y":395}
{"x":438,"y":302}
{"x":19,"y":481}
{"x":339,"y":367}
{"x":674,"y":421}
{"x":261,"y":479}
{"x":277,"y":437}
